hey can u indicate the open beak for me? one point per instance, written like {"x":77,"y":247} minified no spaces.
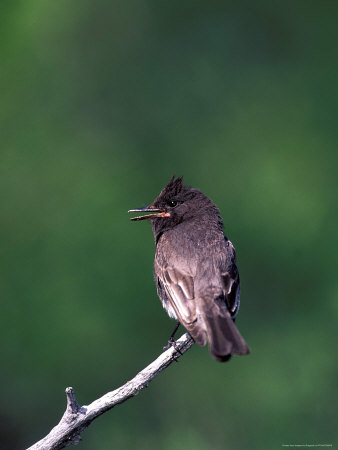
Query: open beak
{"x":155,"y":213}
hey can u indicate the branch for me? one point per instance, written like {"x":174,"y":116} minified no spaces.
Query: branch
{"x":77,"y":418}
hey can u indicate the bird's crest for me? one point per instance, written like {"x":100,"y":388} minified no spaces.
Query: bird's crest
{"x":173,"y":188}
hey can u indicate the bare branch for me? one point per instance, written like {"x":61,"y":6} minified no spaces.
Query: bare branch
{"x":77,"y":418}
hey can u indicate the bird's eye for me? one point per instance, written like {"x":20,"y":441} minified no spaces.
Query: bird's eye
{"x":172,"y":203}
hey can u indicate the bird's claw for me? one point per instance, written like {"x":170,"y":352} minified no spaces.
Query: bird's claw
{"x":172,"y":343}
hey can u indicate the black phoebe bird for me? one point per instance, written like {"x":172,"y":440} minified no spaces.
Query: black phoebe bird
{"x":195,"y":268}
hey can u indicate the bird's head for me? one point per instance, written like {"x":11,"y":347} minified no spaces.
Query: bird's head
{"x":175,"y":204}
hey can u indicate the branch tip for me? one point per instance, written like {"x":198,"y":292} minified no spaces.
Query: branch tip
{"x":72,"y":404}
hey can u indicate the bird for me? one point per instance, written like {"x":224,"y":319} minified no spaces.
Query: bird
{"x":195,"y":268}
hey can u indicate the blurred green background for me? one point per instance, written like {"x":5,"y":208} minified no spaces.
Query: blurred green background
{"x":101,"y":103}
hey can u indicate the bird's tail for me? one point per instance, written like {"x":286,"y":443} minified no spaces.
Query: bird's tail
{"x":215,"y":325}
{"x":224,"y":338}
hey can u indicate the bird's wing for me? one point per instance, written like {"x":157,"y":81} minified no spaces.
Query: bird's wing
{"x":230,"y":279}
{"x":178,"y":288}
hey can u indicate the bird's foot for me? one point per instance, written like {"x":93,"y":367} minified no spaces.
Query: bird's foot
{"x":172,"y":343}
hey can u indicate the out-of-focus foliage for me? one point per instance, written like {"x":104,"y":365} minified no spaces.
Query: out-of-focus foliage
{"x":101,"y":102}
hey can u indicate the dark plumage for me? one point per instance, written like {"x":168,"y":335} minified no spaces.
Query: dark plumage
{"x":195,"y":268}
